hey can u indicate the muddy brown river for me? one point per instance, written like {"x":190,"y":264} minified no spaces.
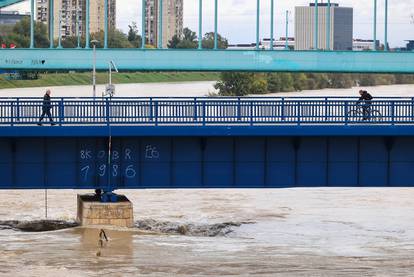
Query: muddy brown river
{"x":288,"y":232}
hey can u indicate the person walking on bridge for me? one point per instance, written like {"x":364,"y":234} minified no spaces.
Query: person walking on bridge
{"x":365,"y":101}
{"x":46,"y":107}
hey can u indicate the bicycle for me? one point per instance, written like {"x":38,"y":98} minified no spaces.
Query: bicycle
{"x":357,"y":114}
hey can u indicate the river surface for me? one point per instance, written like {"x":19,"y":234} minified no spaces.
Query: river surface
{"x":284,"y":232}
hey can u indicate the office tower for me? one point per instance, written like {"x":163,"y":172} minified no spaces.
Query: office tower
{"x":341,"y":31}
{"x":72,"y":15}
{"x":172,"y":20}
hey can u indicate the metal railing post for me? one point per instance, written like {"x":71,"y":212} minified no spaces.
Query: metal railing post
{"x":151,"y":110}
{"x":156,"y":113}
{"x":61,"y":112}
{"x":11,"y":114}
{"x":204,"y":113}
{"x":18,"y":109}
{"x":346,"y":112}
{"x":393,"y":113}
{"x":195,"y":109}
{"x":299,"y":112}
{"x":251,"y":113}
{"x":107,"y":111}
{"x":282,"y":107}
{"x":238,"y":109}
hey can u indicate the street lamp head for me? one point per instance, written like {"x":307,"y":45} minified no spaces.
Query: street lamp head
{"x":94,"y":41}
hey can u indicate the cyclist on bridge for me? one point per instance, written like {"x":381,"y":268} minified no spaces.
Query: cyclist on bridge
{"x":365,"y":100}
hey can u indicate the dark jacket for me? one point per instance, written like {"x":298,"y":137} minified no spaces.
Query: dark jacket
{"x":47,"y":104}
{"x":365,"y":96}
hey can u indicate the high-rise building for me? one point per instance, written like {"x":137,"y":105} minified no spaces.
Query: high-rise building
{"x":341,"y":31}
{"x":72,"y":16}
{"x":172,"y":21}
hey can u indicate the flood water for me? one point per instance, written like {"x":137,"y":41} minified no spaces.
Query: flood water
{"x":284,"y":232}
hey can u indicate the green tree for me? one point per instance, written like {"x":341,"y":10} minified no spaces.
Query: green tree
{"x":188,"y":40}
{"x":133,"y":37}
{"x":208,"y":41}
{"x":338,"y":80}
{"x":299,"y":81}
{"x":116,"y":39}
{"x":21,"y":34}
{"x":241,"y":84}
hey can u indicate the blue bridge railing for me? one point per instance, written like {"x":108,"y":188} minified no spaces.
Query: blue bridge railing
{"x":208,"y":111}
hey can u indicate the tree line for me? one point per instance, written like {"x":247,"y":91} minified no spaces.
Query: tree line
{"x":230,"y":83}
{"x":244,"y":83}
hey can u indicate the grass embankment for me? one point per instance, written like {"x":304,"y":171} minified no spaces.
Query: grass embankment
{"x":73,"y":79}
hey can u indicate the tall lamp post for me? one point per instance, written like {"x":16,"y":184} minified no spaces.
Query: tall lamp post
{"x":94,"y":42}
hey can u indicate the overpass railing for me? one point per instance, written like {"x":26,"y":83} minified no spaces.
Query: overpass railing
{"x":208,"y":111}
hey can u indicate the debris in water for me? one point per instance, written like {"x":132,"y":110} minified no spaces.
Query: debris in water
{"x":37,"y":225}
{"x":206,"y":230}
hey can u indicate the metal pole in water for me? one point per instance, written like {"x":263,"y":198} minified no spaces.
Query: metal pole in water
{"x":316,"y":17}
{"x":160,"y":16}
{"x":215,"y":24}
{"x":257,"y":24}
{"x":200,"y":24}
{"x":143,"y":40}
{"x":87,"y":11}
{"x":272,"y":14}
{"x":106,"y":24}
{"x":51,"y":22}
{"x":32,"y":11}
{"x":375,"y":25}
{"x":328,"y":26}
{"x":386,"y":27}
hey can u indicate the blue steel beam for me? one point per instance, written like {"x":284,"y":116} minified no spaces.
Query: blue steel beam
{"x":143,"y":23}
{"x":257,"y":24}
{"x":209,"y":60}
{"x":328,"y":26}
{"x":87,"y":23}
{"x":375,"y":25}
{"x":386,"y":27}
{"x":272,"y":15}
{"x":106,"y":24}
{"x":32,"y":22}
{"x":215,"y":24}
{"x":207,"y":131}
{"x":6,"y":3}
{"x":51,"y":23}
{"x":316,"y":27}
{"x":200,"y":24}
{"x":160,"y":18}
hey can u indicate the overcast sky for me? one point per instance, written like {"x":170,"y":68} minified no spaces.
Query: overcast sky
{"x":237,"y":17}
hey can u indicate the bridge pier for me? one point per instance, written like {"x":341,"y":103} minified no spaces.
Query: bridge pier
{"x":93,"y":212}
